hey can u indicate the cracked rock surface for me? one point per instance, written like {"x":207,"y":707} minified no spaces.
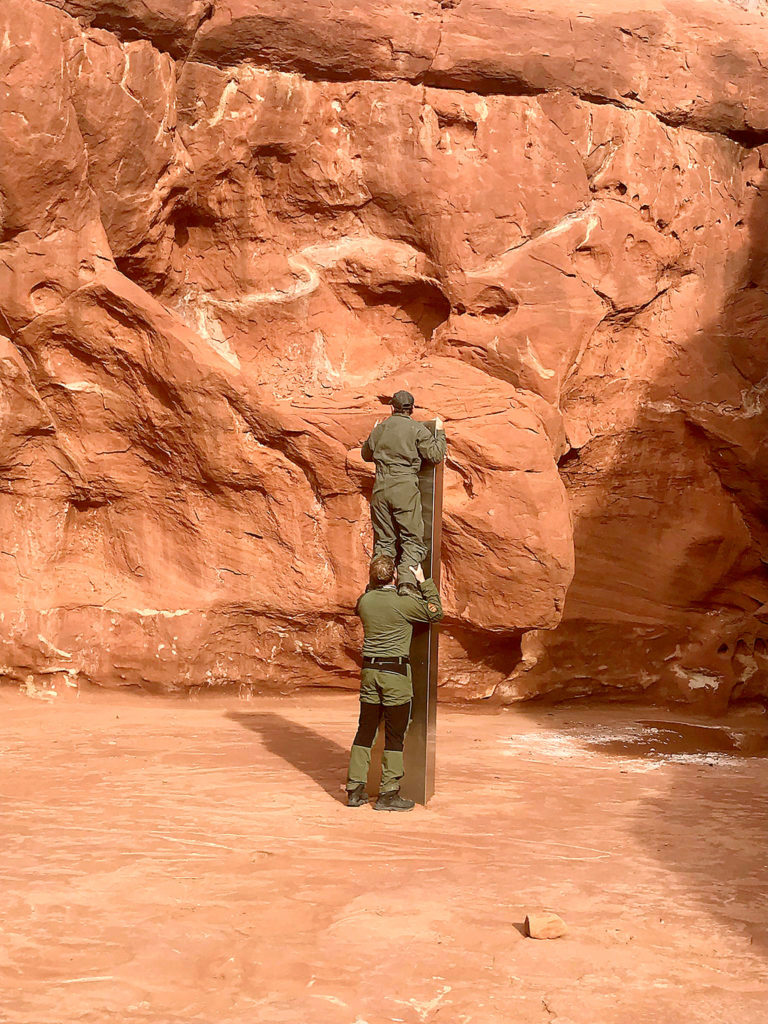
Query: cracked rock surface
{"x":227,"y":228}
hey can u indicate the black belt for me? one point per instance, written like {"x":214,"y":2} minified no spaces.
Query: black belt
{"x":399,"y":665}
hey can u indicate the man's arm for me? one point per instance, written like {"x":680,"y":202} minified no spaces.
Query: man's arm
{"x":431,"y":447}
{"x":428,"y":607}
{"x":367,"y":450}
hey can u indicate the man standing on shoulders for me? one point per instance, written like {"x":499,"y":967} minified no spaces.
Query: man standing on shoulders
{"x":398,"y":446}
{"x":386,"y":690}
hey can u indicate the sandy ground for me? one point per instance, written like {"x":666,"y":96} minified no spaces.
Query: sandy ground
{"x":180,"y":862}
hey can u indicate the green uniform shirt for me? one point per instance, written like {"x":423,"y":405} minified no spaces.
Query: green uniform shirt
{"x":388,"y":618}
{"x":400,"y":444}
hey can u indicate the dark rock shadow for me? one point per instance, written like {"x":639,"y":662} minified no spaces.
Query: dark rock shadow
{"x":670,"y":595}
{"x":659,"y":739}
{"x":696,"y":627}
{"x":309,"y":752}
{"x":707,"y":826}
{"x":710,"y":829}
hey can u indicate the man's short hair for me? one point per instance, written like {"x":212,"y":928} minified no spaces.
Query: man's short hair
{"x":382,"y":570}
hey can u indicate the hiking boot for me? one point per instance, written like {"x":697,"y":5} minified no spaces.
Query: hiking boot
{"x":408,"y":590}
{"x":357,"y":797}
{"x":393,"y":802}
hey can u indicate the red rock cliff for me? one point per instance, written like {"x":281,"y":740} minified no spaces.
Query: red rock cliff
{"x":227,"y":227}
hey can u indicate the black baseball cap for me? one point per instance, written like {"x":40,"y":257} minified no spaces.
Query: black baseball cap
{"x":402,"y":400}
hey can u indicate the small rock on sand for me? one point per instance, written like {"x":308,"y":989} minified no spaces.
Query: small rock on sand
{"x":544,"y":925}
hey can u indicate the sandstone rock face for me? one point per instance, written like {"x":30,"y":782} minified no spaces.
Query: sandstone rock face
{"x":228,"y":228}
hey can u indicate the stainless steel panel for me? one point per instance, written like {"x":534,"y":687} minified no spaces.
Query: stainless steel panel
{"x":419,"y":781}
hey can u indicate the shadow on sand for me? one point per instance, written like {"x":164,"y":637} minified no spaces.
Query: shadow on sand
{"x":707,"y":824}
{"x":314,"y":755}
{"x":710,"y":826}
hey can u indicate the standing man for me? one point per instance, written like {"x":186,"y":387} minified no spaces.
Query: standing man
{"x":398,"y":446}
{"x":386,"y":690}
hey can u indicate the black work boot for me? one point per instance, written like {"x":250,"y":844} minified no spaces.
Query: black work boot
{"x":357,"y":797}
{"x":393,"y":802}
{"x":408,"y":590}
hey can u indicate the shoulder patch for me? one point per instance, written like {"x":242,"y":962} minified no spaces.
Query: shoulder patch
{"x":432,"y":607}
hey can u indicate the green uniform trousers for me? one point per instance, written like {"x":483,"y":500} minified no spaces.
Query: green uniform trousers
{"x":386,"y":695}
{"x":397,"y":522}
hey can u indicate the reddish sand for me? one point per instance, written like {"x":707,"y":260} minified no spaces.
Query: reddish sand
{"x":179,"y":862}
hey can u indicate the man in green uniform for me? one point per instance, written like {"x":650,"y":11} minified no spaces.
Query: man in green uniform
{"x":398,"y":446}
{"x":386,"y":690}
